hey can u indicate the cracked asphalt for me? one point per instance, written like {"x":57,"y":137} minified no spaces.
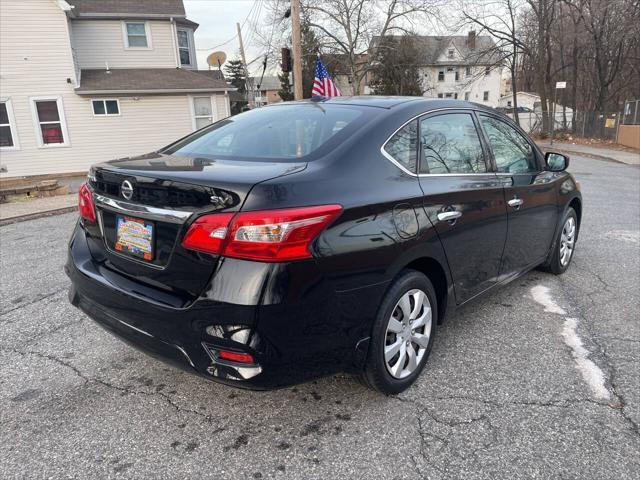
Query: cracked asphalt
{"x":501,"y":396}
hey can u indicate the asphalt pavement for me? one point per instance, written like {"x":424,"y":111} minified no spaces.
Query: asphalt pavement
{"x":540,"y":379}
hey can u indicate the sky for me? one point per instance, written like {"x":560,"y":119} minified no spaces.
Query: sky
{"x":217,"y":19}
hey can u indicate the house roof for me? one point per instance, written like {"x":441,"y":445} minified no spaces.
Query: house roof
{"x":131,"y":81}
{"x":430,"y":48}
{"x":267,"y":83}
{"x":214,"y":73}
{"x":127,"y":8}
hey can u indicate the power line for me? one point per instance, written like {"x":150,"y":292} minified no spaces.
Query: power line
{"x":251,"y":10}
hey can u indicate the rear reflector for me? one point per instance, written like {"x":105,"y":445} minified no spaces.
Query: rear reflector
{"x":235,"y":357}
{"x":270,"y":235}
{"x":86,"y":208}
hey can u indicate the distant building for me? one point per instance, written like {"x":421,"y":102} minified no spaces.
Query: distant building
{"x":84,"y":81}
{"x":265,"y":90}
{"x":459,"y":67}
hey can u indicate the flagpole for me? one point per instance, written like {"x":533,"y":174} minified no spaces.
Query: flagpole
{"x":296,"y":50}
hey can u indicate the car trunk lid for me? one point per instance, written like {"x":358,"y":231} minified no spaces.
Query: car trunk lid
{"x":162,"y":194}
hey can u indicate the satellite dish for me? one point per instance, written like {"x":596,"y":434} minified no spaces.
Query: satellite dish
{"x":216,"y":59}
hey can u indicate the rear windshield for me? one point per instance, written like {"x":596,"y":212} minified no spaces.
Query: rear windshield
{"x":279,"y":131}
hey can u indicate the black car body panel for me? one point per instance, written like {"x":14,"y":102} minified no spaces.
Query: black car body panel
{"x":305,"y":318}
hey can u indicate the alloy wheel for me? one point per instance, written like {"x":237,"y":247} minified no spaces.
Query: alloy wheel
{"x":567,"y":241}
{"x":408,"y":332}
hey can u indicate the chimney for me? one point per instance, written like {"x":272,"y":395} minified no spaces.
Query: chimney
{"x":471,"y":40}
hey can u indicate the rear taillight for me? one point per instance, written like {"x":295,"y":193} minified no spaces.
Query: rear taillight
{"x":208,"y":233}
{"x":86,"y":207}
{"x":270,"y":236}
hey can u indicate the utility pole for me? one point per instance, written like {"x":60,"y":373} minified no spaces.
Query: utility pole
{"x":296,"y":50}
{"x":246,"y":69}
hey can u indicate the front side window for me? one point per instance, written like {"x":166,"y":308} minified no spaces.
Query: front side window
{"x":105,"y":107}
{"x":183,"y":47}
{"x":403,"y":146}
{"x":203,"y":112}
{"x":441,"y":76}
{"x":511,"y":151}
{"x":136,"y":34}
{"x":466,"y":95}
{"x":450,"y":144}
{"x":7,"y":127}
{"x":467,"y":71}
{"x":49,"y":117}
{"x":485,"y":96}
{"x":278,"y":132}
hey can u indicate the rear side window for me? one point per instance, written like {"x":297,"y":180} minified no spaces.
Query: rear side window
{"x":282,"y":132}
{"x":403,"y":146}
{"x":512,"y":152}
{"x":450,"y":144}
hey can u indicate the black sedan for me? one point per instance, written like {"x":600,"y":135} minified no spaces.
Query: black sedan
{"x":308,"y":238}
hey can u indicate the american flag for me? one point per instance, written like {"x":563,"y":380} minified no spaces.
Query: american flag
{"x":323,"y":86}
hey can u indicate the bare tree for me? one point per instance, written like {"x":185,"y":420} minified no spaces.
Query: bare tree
{"x":349,"y":27}
{"x":499,"y":18}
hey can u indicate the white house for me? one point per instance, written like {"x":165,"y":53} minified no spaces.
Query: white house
{"x":84,"y":81}
{"x":459,"y":67}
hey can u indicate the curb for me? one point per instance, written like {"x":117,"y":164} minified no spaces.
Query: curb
{"x":584,"y":154}
{"x":33,"y":216}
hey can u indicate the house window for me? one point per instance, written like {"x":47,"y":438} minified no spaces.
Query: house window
{"x":184,"y":47}
{"x":485,"y":96}
{"x":8,"y":137}
{"x":202,"y":112}
{"x":105,"y":107}
{"x":450,"y":69}
{"x":136,"y":35}
{"x":457,"y":75}
{"x":439,"y":95}
{"x":441,"y":76}
{"x":455,"y":95}
{"x":509,"y":104}
{"x":448,"y":95}
{"x":450,"y":53}
{"x":487,"y":70}
{"x":467,"y":71}
{"x":48,"y":115}
{"x":466,"y":95}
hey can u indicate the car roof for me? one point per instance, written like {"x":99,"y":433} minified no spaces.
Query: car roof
{"x":391,"y":102}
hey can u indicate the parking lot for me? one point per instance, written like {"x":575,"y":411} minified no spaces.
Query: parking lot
{"x":541,"y":379}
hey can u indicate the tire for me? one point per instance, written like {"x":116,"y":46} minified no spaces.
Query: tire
{"x":558,"y":262}
{"x":384,"y":374}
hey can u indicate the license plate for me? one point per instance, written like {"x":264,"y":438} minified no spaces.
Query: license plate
{"x":134,"y":237}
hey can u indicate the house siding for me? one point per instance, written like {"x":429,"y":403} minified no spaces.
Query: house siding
{"x":37,"y":61}
{"x":476,"y":84}
{"x":100,"y":41}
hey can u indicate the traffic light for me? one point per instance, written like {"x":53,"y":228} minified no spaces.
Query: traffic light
{"x":286,"y":59}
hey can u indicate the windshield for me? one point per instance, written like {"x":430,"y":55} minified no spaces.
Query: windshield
{"x":283,"y":132}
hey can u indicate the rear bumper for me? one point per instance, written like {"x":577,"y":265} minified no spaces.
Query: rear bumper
{"x":293,"y":328}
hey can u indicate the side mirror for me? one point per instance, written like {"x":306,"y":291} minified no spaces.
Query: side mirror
{"x":556,"y":162}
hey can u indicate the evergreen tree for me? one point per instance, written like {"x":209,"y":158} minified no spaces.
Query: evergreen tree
{"x":397,"y":71}
{"x":310,"y":49}
{"x":285,"y":92}
{"x":234,"y":72}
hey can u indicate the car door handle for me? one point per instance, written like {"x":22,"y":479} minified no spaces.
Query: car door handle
{"x":515,"y":202}
{"x":449,"y":216}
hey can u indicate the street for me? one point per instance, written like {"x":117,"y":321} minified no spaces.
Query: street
{"x":540,"y":379}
